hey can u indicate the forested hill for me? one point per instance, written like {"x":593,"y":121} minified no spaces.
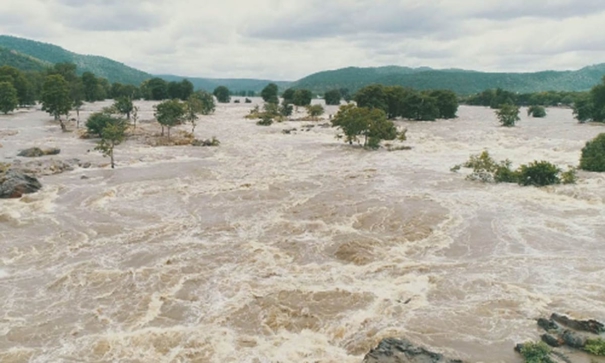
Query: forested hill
{"x":234,"y":84}
{"x":49,"y":54}
{"x":20,"y":61}
{"x":460,"y":81}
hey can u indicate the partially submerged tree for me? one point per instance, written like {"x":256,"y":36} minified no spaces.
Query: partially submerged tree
{"x":8,"y":97}
{"x":56,"y":99}
{"x":508,"y":115}
{"x":315,"y":110}
{"x":302,"y":97}
{"x":332,"y":97}
{"x":112,"y":135}
{"x":170,"y":113}
{"x":369,"y":124}
{"x":536,"y":111}
{"x":124,"y":106}
{"x":98,"y":121}
{"x":269,"y":93}
{"x":222,"y":94}
{"x":593,"y":155}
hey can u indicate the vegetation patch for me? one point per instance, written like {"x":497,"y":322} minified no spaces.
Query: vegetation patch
{"x":537,"y":173}
{"x":595,"y":346}
{"x":536,"y":111}
{"x":536,"y":353}
{"x":593,"y":155}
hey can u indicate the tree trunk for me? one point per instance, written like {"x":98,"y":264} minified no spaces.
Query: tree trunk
{"x":128,"y":115}
{"x":162,"y":130}
{"x":168,"y":132}
{"x":113,"y":165}
{"x":63,"y":128}
{"x":78,"y":121}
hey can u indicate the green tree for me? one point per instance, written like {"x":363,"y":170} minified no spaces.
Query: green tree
{"x":112,"y":135}
{"x":269,"y":93}
{"x":222,"y":94}
{"x":447,"y":103}
{"x":508,"y":115}
{"x":124,"y":106}
{"x":199,"y":103}
{"x":90,"y":86}
{"x":8,"y":97}
{"x":315,"y":110}
{"x":19,"y":82}
{"x":155,"y":89}
{"x":583,"y":108}
{"x":77,"y":105}
{"x":333,"y":97}
{"x":372,"y":96}
{"x":597,"y":95}
{"x":538,"y":173}
{"x":98,"y":121}
{"x":56,"y":99}
{"x":536,"y":111}
{"x":371,"y":124}
{"x":593,"y":155}
{"x":288,"y":96}
{"x":169,"y":113}
{"x":302,"y":97}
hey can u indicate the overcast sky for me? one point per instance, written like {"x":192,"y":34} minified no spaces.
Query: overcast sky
{"x":288,"y":39}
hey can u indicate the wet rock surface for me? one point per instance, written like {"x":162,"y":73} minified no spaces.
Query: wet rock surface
{"x":393,"y":350}
{"x":15,"y":183}
{"x":36,"y":152}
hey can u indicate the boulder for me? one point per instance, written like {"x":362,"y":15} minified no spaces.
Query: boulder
{"x":548,"y":325}
{"x":591,"y":326}
{"x":574,"y":339}
{"x":552,"y":340}
{"x":392,"y":350}
{"x":15,"y":183}
{"x":35,"y":152}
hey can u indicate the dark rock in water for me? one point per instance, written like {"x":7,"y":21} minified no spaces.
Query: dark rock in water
{"x":552,"y":341}
{"x":548,"y":325}
{"x":35,"y":152}
{"x":574,"y":339}
{"x":14,"y":184}
{"x":591,"y":326}
{"x":392,"y":350}
{"x":84,"y":177}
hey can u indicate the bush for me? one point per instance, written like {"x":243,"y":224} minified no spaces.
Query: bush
{"x":593,"y":155}
{"x":595,"y":346}
{"x":536,"y":353}
{"x":266,"y":120}
{"x":315,"y":110}
{"x":508,"y":115}
{"x":536,"y":111}
{"x":97,"y":122}
{"x":539,"y":173}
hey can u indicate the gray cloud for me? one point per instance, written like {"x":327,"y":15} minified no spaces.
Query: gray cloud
{"x":290,"y":39}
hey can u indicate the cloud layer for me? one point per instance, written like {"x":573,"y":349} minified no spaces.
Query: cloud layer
{"x":280,"y":39}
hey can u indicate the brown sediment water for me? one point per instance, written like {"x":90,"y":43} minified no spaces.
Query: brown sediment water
{"x":296,"y":247}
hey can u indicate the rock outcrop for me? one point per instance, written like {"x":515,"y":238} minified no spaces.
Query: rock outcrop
{"x":36,"y":152}
{"x":15,"y":183}
{"x":402,"y":351}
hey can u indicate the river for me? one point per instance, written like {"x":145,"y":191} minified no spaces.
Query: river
{"x":295,"y":247}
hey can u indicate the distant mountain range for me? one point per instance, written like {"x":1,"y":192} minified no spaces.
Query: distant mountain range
{"x":32,"y":55}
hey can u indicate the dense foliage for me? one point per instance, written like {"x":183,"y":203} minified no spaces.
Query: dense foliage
{"x":508,"y":115}
{"x":593,"y":155}
{"x":222,"y":94}
{"x":369,"y":125}
{"x":591,"y":107}
{"x":8,"y":97}
{"x":333,"y":97}
{"x":269,"y":93}
{"x":536,"y":111}
{"x":113,"y":133}
{"x":537,"y":173}
{"x":536,"y":353}
{"x":170,"y":113}
{"x":397,"y":101}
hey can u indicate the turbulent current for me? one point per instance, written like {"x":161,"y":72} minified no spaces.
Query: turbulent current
{"x":295,"y":247}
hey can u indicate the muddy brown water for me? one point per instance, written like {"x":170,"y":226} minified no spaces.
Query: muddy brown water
{"x":295,"y":248}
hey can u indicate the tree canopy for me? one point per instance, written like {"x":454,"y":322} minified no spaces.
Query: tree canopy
{"x":56,"y":99}
{"x":170,"y":113}
{"x":269,"y":93}
{"x":361,"y":122}
{"x":8,"y":97}
{"x":222,"y":94}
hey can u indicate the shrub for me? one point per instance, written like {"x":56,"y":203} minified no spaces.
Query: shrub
{"x":536,"y":111}
{"x":595,"y":346}
{"x":315,"y":110}
{"x":508,"y":115}
{"x":593,"y":155}
{"x":266,"y":120}
{"x":536,"y":353}
{"x":539,"y":173}
{"x":97,"y":122}
{"x":248,"y":100}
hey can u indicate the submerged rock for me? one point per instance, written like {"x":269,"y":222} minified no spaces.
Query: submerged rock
{"x":35,"y":152}
{"x":15,"y":183}
{"x":392,"y":350}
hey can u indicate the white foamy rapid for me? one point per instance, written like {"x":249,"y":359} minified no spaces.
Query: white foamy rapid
{"x":295,"y":247}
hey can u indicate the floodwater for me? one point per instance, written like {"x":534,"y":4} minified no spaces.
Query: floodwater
{"x":295,"y":247}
